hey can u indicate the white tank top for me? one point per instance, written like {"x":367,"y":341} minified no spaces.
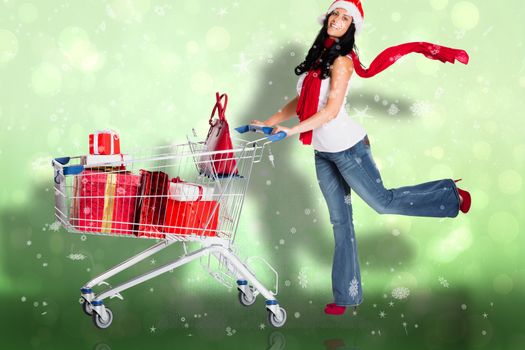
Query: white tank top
{"x":340,"y":133}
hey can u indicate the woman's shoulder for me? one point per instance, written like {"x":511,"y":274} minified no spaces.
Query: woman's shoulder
{"x":344,"y":61}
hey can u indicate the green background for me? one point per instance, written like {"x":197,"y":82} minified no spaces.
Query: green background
{"x":149,"y":69}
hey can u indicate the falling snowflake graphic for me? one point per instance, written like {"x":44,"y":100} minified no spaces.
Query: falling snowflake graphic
{"x":76,"y":257}
{"x":353,"y":290}
{"x":40,"y":163}
{"x":121,"y":191}
{"x":393,"y":110}
{"x":420,"y":108}
{"x":55,"y":226}
{"x":348,"y":199}
{"x":230,"y":331}
{"x":303,"y":278}
{"x":434,"y":49}
{"x":443,"y":282}
{"x":400,"y":293}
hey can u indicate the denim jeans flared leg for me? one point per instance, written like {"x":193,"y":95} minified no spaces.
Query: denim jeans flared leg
{"x":354,"y":169}
{"x":437,"y":198}
{"x":346,"y":276}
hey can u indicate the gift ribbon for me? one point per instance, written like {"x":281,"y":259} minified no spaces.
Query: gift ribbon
{"x":109,"y":202}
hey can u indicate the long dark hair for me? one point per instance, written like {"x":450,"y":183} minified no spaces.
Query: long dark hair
{"x":319,"y":57}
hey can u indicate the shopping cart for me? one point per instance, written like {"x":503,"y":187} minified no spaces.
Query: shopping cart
{"x":84,"y":195}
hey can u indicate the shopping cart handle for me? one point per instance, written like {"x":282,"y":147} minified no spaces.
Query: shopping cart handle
{"x":63,"y":160}
{"x":267,"y":130}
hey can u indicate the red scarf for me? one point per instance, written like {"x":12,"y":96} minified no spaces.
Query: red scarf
{"x":309,"y":97}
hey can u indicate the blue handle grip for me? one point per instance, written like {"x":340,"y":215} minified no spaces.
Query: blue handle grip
{"x":267,"y":130}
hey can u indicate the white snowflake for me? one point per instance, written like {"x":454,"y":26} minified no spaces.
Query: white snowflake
{"x":76,"y":257}
{"x":303,"y":278}
{"x":121,"y":191}
{"x":420,"y":108}
{"x":362,"y":114}
{"x":434,"y":49}
{"x":348,"y":199}
{"x":443,"y":282}
{"x":393,"y":110}
{"x":353,"y":290}
{"x":40,"y":163}
{"x":222,"y":12}
{"x":55,"y":226}
{"x":262,"y":326}
{"x":230,"y":331}
{"x":460,"y":34}
{"x":400,"y":293}
{"x":242,"y":66}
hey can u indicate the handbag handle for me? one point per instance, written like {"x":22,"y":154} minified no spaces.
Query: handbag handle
{"x":219,"y":107}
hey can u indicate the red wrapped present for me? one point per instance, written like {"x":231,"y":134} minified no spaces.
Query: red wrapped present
{"x":151,"y":206}
{"x":104,"y":202}
{"x":192,"y":217}
{"x":104,"y":142}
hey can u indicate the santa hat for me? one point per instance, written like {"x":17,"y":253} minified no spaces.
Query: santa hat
{"x":354,"y":9}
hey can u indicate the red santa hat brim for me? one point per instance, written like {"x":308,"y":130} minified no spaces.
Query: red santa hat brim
{"x":352,"y":10}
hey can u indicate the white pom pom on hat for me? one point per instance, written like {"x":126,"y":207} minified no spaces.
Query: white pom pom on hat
{"x":354,"y":9}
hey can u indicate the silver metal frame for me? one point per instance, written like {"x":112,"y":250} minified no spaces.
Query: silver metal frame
{"x":219,"y":247}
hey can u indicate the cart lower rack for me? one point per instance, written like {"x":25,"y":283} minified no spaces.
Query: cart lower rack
{"x":172,"y":194}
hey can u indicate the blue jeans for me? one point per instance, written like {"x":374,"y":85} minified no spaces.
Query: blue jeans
{"x":355,"y":169}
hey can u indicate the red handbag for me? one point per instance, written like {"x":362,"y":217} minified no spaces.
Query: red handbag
{"x":219,"y":139}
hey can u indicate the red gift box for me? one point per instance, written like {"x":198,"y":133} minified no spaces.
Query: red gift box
{"x":104,"y":202}
{"x":104,"y":142}
{"x":192,"y":217}
{"x":151,"y":206}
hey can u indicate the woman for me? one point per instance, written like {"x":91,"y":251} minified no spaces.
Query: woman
{"x":343,"y":157}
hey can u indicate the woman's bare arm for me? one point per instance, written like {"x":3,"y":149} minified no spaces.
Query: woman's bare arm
{"x":341,"y":72}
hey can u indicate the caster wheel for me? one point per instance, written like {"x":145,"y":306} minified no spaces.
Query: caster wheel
{"x":273,"y":320}
{"x":87,"y":308}
{"x":245,"y":299}
{"x":100,"y":323}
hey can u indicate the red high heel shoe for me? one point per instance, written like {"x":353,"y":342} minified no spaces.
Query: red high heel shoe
{"x":467,"y":200}
{"x":334,"y":309}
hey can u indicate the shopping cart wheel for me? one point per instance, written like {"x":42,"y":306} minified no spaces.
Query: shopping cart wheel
{"x":87,"y":308}
{"x":245,"y":299}
{"x":273,"y":320}
{"x":100,"y":323}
